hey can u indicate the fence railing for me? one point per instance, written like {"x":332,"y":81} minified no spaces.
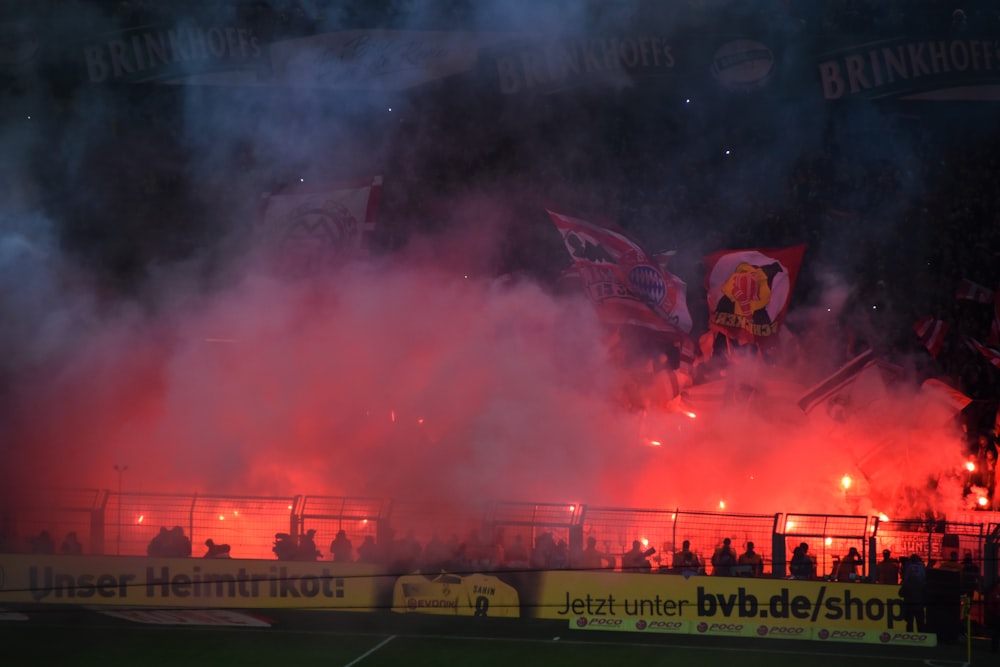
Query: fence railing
{"x":124,"y":524}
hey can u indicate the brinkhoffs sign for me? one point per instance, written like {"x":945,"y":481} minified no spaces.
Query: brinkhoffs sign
{"x":628,"y":602}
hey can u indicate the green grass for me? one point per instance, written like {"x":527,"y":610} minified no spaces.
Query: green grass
{"x":27,"y":644}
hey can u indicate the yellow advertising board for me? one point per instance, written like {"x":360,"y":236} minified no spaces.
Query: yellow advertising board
{"x":721,"y":604}
{"x":187,"y":582}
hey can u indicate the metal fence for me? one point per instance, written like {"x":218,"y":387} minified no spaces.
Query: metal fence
{"x":125,"y":523}
{"x":829,"y":538}
{"x":615,"y":529}
{"x":247,"y":524}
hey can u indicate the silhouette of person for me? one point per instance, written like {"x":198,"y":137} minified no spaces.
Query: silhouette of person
{"x":216,"y":550}
{"x":849,"y":564}
{"x":178,"y":544}
{"x":802,"y":565}
{"x":750,"y":564}
{"x":70,"y":545}
{"x":724,"y":559}
{"x":307,"y":547}
{"x":888,"y":569}
{"x":368,"y":551}
{"x":685,"y":560}
{"x":284,"y":546}
{"x":160,"y":544}
{"x":636,"y":559}
{"x":590,"y":558}
{"x":914,"y":592}
{"x":341,"y":548}
{"x":42,"y":543}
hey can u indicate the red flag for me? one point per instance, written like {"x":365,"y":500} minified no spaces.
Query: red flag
{"x":311,"y":225}
{"x":991,"y":355}
{"x":970,"y":291}
{"x":834,"y":383}
{"x":931,"y":333}
{"x":749,"y":291}
{"x":626,"y":286}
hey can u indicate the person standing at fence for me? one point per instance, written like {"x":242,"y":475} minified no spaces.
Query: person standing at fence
{"x":724,"y":560}
{"x":969,"y":580}
{"x":802,"y":565}
{"x":214,"y":550}
{"x":750,"y":564}
{"x":686,"y":561}
{"x":71,"y":546}
{"x":888,"y":569}
{"x":341,"y":548}
{"x":849,"y":564}
{"x":636,"y":559}
{"x":307,"y":547}
{"x":914,"y":593}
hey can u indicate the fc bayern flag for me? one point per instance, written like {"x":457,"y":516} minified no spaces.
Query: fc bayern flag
{"x":624,"y":283}
{"x":311,"y":225}
{"x":931,"y":333}
{"x":749,"y":291}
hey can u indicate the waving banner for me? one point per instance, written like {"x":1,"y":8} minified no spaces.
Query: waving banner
{"x":311,"y":226}
{"x":625,"y":284}
{"x":749,"y":291}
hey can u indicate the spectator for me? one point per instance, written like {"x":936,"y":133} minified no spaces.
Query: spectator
{"x":42,"y":543}
{"x":284,"y":547}
{"x":914,"y":592}
{"x":802,"y":565}
{"x":849,"y":564}
{"x":307,"y":546}
{"x":888,"y":569}
{"x":71,"y":546}
{"x":590,"y":558}
{"x":950,"y":564}
{"x":368,"y":551}
{"x":750,"y":564}
{"x":178,"y":544}
{"x":636,"y":559}
{"x":341,"y":548}
{"x":160,"y":544}
{"x":969,"y":575}
{"x":724,"y":559}
{"x":216,"y":550}
{"x":686,"y":561}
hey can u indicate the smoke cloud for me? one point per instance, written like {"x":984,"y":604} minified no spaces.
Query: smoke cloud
{"x":139,"y":331}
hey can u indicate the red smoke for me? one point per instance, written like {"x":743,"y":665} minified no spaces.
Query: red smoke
{"x":392,"y":379}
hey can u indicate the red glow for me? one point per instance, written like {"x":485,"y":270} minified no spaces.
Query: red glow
{"x":294,"y":404}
